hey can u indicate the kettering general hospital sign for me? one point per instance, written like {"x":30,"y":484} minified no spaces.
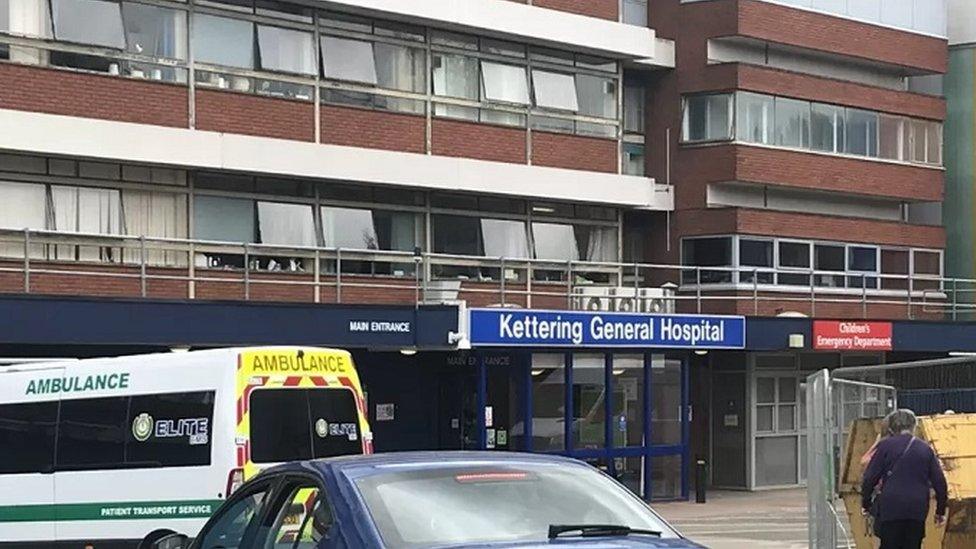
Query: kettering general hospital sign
{"x":504,"y":327}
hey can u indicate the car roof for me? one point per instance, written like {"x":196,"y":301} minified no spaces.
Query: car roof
{"x":362,"y":463}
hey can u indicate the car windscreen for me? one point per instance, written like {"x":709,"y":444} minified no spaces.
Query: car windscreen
{"x":449,"y":505}
{"x":293,"y":424}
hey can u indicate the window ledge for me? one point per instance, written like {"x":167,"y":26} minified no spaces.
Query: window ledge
{"x":733,"y":142}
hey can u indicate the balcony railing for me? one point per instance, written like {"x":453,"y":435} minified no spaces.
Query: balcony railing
{"x":58,"y":263}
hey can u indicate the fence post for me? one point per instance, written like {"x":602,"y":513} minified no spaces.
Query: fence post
{"x":755,"y":291}
{"x":637,"y":300}
{"x":864,"y":297}
{"x":911,"y":288}
{"x":428,"y":271}
{"x":26,"y":261}
{"x":569,"y":284}
{"x":247,"y":272}
{"x":698,"y":295}
{"x":142,"y":265}
{"x":191,"y":286}
{"x":503,"y":277}
{"x":317,"y":270}
{"x":954,"y":302}
{"x":338,"y":275}
{"x":813,"y":294}
{"x":529,"y":274}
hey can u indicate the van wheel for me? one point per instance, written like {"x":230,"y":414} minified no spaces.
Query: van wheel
{"x":153,"y":537}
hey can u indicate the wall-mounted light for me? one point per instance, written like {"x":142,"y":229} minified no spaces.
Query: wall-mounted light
{"x":408,"y":351}
{"x":796,"y":341}
{"x":618,"y":371}
{"x":537,"y":372}
{"x":701,"y":352}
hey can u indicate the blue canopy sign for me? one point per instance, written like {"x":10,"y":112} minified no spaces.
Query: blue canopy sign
{"x":512,"y":328}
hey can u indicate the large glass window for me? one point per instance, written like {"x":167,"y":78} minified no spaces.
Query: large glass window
{"x":792,"y":123}
{"x":628,"y":400}
{"x":400,"y":67}
{"x":555,"y":241}
{"x":634,"y":159}
{"x":862,"y":133}
{"x":635,"y":12}
{"x":635,"y":99}
{"x":30,"y":428}
{"x":706,"y":252}
{"x":455,"y":76}
{"x":554,"y":90}
{"x":84,"y":210}
{"x":890,"y":137}
{"x":286,"y":50}
{"x":94,"y":22}
{"x":794,"y":256}
{"x":363,"y":229}
{"x":506,"y":83}
{"x":25,"y":18}
{"x":829,"y":258}
{"x":345,"y":59}
{"x":224,"y":219}
{"x":548,"y":403}
{"x":665,"y":400}
{"x":827,"y":127}
{"x":757,"y":254}
{"x":286,"y":224}
{"x":754,"y":118}
{"x":23,"y":206}
{"x":707,"y":117}
{"x":155,"y":31}
{"x":597,"y":96}
{"x":223,"y":41}
{"x":589,"y":396}
{"x":504,"y":238}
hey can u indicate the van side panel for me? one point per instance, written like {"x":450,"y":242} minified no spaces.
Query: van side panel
{"x":26,"y":498}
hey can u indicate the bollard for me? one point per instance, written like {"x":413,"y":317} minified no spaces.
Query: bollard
{"x":700,"y":481}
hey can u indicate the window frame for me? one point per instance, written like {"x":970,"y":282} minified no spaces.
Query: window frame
{"x":686,"y":118}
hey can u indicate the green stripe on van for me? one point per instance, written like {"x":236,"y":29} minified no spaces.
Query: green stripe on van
{"x":127,"y":510}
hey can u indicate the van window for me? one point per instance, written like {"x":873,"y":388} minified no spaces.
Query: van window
{"x":296,"y":424}
{"x":179,"y":429}
{"x":28,"y":427}
{"x":92,"y":432}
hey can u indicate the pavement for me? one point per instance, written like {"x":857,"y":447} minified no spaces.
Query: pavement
{"x":743,"y":520}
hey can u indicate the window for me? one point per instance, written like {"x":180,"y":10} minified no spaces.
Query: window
{"x":154,"y":31}
{"x":827,"y":127}
{"x":633,"y":159}
{"x":296,"y":424}
{"x":933,"y":136}
{"x":455,"y":234}
{"x":754,"y":118}
{"x":92,"y":433}
{"x":345,"y":59}
{"x":794,"y":255}
{"x":597,"y":96}
{"x":555,"y":241}
{"x":862,"y":259}
{"x":224,"y":219}
{"x":456,"y":76}
{"x":504,"y":83}
{"x":94,"y":22}
{"x":757,"y":254}
{"x":237,"y":520}
{"x":589,"y":395}
{"x":25,"y":18}
{"x":504,"y":238}
{"x":862,"y":133}
{"x":149,"y":213}
{"x":23,"y":206}
{"x":829,"y":258}
{"x":635,"y":12}
{"x":792,"y":123}
{"x":890,"y":132}
{"x":181,"y":433}
{"x":286,"y":50}
{"x":400,"y":67}
{"x":363,"y":229}
{"x":554,"y":90}
{"x":30,"y":428}
{"x":707,"y":117}
{"x":223,"y":41}
{"x":706,"y":252}
{"x":635,"y":99}
{"x":302,"y":521}
{"x":286,"y":224}
{"x":84,"y":210}
{"x":597,"y":243}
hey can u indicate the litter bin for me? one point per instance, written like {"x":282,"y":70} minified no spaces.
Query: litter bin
{"x":953,"y":437}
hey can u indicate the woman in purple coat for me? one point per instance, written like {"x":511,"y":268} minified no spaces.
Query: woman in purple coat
{"x":907,"y":470}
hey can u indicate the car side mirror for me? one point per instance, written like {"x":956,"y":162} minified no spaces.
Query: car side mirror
{"x":172,"y":541}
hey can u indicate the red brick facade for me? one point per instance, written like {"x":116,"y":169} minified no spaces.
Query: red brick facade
{"x":232,"y":112}
{"x":70,"y":93}
{"x":373,"y":129}
{"x":604,"y":9}
{"x":481,"y":141}
{"x":574,"y":152}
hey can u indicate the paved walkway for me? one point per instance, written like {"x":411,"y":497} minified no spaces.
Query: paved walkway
{"x":743,"y":520}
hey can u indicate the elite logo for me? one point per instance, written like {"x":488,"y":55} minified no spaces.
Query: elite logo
{"x":322,"y":428}
{"x":142,"y":427}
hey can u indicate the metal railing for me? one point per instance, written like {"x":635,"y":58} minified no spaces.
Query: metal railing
{"x":50,"y":262}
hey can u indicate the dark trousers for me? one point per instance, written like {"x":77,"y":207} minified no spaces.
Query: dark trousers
{"x":902,"y":534}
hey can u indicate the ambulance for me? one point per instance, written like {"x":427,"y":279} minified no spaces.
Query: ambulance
{"x":108,"y":452}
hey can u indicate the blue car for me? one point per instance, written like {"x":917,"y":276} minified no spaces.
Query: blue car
{"x":433,"y":500}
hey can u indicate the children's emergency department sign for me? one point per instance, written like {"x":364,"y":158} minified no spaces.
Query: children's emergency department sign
{"x":508,"y":328}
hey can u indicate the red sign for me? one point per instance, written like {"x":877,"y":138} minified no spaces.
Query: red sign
{"x":845,"y":335}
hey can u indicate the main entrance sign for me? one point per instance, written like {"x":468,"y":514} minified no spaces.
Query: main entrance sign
{"x":507,"y":327}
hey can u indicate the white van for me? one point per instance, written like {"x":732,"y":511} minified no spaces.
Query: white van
{"x":100,"y":453}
